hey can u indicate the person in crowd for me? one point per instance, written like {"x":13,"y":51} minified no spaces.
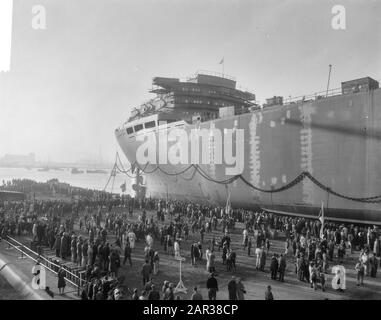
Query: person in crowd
{"x":262,"y":260}
{"x":61,"y":280}
{"x":269,"y":294}
{"x":245,"y":239}
{"x":85,"y":257}
{"x":258,"y":253}
{"x":156,"y":263}
{"x":274,"y":266}
{"x":127,"y":254}
{"x":169,"y":294}
{"x":132,"y":239}
{"x":114,"y":263}
{"x":177,"y":249}
{"x":57,"y":245}
{"x":249,"y":246}
{"x":146,"y":271}
{"x":212,"y":286}
{"x":135,"y":295}
{"x":143,"y":295}
{"x":267,"y":244}
{"x":373,"y":264}
{"x":241,"y":291}
{"x":73,"y":249}
{"x":164,"y":288}
{"x":360,"y":269}
{"x":153,"y":294}
{"x":282,"y":267}
{"x":322,"y":280}
{"x":232,"y":288}
{"x":196,"y":295}
{"x":208,"y":253}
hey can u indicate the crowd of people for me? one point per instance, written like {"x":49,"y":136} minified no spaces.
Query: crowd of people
{"x":79,"y":231}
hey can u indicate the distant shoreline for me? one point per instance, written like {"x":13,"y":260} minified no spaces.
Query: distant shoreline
{"x":87,"y":180}
{"x":57,"y":166}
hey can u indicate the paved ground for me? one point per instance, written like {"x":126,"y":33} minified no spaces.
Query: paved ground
{"x":254,"y":281}
{"x":7,"y":292}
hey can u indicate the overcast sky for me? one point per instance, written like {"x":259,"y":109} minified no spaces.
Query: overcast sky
{"x":72,"y":84}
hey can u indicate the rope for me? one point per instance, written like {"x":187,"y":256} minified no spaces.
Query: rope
{"x":202,"y":173}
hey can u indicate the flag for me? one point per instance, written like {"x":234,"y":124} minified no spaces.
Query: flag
{"x":123,"y":187}
{"x":321,"y":219}
{"x":222,"y":60}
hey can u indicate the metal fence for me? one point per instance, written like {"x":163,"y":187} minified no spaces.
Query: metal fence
{"x":76,"y":278}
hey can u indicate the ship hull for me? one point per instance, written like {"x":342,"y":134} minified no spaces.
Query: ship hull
{"x":335,"y":139}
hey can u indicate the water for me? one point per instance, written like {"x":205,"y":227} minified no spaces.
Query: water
{"x":95,"y":181}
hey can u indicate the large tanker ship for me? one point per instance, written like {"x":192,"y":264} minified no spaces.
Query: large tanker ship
{"x":332,"y":137}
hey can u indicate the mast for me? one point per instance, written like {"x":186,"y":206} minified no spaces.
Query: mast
{"x":329,"y":77}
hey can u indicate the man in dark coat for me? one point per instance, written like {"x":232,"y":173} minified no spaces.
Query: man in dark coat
{"x":212,"y":286}
{"x":95,"y":253}
{"x":127,"y":254}
{"x":282,"y":267}
{"x":274,"y":267}
{"x":153,"y":294}
{"x":57,"y":246}
{"x":106,"y":255}
{"x":226,"y":239}
{"x":146,"y":271}
{"x":232,"y":288}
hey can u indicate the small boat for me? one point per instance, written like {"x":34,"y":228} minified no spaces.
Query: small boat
{"x":76,"y":171}
{"x":96,"y":171}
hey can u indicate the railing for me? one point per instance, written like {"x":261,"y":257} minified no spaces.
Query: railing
{"x":314,"y":96}
{"x":74,"y":279}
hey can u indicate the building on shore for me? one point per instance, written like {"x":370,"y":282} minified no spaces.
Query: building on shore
{"x":18,"y":160}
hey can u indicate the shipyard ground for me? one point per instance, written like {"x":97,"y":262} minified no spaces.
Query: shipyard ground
{"x":7,"y":292}
{"x":255,"y":281}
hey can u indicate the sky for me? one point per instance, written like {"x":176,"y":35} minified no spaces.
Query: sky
{"x":71,"y":84}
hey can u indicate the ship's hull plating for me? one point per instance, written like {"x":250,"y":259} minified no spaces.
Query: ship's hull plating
{"x":335,"y":139}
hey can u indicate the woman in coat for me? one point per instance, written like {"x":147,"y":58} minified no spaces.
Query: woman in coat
{"x":207,"y":256}
{"x":263,"y":260}
{"x":57,"y":246}
{"x":90,"y":254}
{"x":61,"y":280}
{"x":156,"y":261}
{"x":114,"y":263}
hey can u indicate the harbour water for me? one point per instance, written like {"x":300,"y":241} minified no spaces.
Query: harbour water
{"x":95,"y":181}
